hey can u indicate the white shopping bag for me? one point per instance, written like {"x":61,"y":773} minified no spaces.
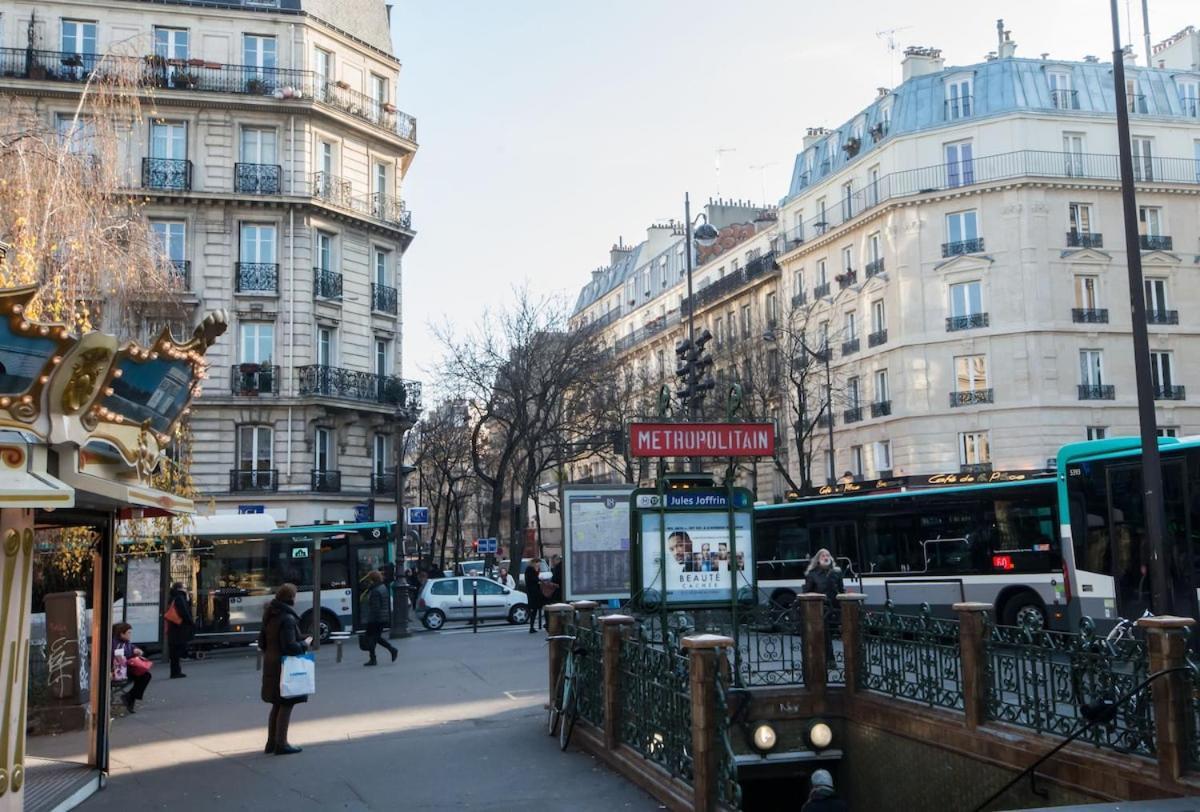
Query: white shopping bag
{"x":298,"y":676}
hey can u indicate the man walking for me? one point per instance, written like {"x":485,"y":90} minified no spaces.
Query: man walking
{"x":378,"y":616}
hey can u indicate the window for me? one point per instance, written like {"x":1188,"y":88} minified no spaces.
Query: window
{"x":1091,"y":367}
{"x":1189,"y":96}
{"x":258,"y":145}
{"x":1086,"y":297}
{"x":171,"y":236}
{"x":258,"y":342}
{"x":254,"y":448}
{"x":965,"y":299}
{"x":822,"y":219}
{"x":822,"y":278}
{"x":883,"y":456}
{"x":168,"y":140}
{"x":798,"y":283}
{"x":856,"y":461}
{"x":745,"y":321}
{"x":772,"y":309}
{"x":731,"y":326}
{"x":1143,"y":158}
{"x":974,"y":448}
{"x":1167,"y":431}
{"x":381,"y":191}
{"x":325,"y":156}
{"x":324,"y":251}
{"x":325,"y":346}
{"x":660,"y":361}
{"x":1079,"y":218}
{"x":958,"y":99}
{"x":874,"y":248}
{"x":78,"y":37}
{"x":882,"y":391}
{"x":848,"y":259}
{"x":798,"y":226}
{"x":1160,"y":372}
{"x":851,"y":325}
{"x":1096,"y":432}
{"x":878,"y":316}
{"x":873,"y":186}
{"x":1073,"y":154}
{"x":970,"y":373}
{"x":381,"y":268}
{"x":847,"y":200}
{"x":77,"y":135}
{"x":823,"y":334}
{"x":960,"y":164}
{"x":257,"y":243}
{"x":1150,"y":220}
{"x":322,"y":67}
{"x":379,"y":454}
{"x":852,"y":392}
{"x":772,"y":363}
{"x":1156,"y":294}
{"x":258,"y":52}
{"x":379,"y":90}
{"x":1135,"y":100}
{"x":1060,"y":91}
{"x":735,"y":264}
{"x":962,"y":226}
{"x":719,"y":331}
{"x":322,"y":446}
{"x":171,"y":44}
{"x":382,"y":353}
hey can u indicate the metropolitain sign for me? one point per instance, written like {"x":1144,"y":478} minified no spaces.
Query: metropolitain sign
{"x":702,"y":439}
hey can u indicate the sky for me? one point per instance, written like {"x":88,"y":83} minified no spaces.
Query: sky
{"x":549,"y":129}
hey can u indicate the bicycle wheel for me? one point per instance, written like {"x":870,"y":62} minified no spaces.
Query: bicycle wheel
{"x":570,"y":712}
{"x":553,"y":712}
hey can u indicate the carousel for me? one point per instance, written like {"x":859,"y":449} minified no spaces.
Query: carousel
{"x":84,"y":422}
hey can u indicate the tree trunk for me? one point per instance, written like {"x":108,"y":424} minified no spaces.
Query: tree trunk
{"x":537,"y":522}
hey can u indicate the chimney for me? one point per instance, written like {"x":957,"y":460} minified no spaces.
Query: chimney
{"x":618,"y":252}
{"x":597,"y":273}
{"x":814,"y":135}
{"x":1128,"y":56}
{"x":1005,"y":47}
{"x":920,"y":61}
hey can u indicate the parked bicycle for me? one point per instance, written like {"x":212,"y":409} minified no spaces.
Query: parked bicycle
{"x":564,"y":703}
{"x":1124,"y":629}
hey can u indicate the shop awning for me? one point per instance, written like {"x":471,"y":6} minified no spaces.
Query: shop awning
{"x":24,"y":481}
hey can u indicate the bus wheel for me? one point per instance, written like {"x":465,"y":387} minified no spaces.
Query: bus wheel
{"x":328,"y":625}
{"x":1024,"y":610}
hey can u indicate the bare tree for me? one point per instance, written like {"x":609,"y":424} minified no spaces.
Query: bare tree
{"x":444,"y":457}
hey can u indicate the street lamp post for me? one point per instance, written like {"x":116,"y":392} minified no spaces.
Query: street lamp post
{"x":705,"y":234}
{"x":1152,"y":487}
{"x":823,"y":356}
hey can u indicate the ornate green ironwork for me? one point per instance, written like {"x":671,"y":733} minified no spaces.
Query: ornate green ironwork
{"x":913,"y":657}
{"x":589,"y":672}
{"x":1193,"y":729}
{"x":835,"y":654}
{"x":656,"y":707}
{"x":1040,"y":679}
{"x":729,"y":791}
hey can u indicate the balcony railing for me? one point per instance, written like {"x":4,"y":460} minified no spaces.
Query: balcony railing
{"x":821,"y":291}
{"x":961,"y":247}
{"x":327,"y":284}
{"x":181,"y":272}
{"x":1162,"y":317}
{"x":727,"y":284}
{"x":799,"y":300}
{"x":351,"y":384}
{"x":881,"y":408}
{"x":1156,"y":242}
{"x":824,"y":420}
{"x":1084,"y":239}
{"x":850,"y":347}
{"x":876,"y":338}
{"x":390,"y":209}
{"x":282,"y":84}
{"x":846,"y":279}
{"x":260,"y":479}
{"x":853,"y":415}
{"x":383,"y":484}
{"x":384,"y":299}
{"x":959,"y":107}
{"x":332,"y":189}
{"x":1097,"y":391}
{"x":967,"y":322}
{"x":1169,"y":392}
{"x":970,"y":397}
{"x":1065,"y":99}
{"x":254,"y":379}
{"x":1089,"y":315}
{"x":339,"y":192}
{"x":257,"y":277}
{"x":325,"y":481}
{"x":256,"y":179}
{"x":173,"y":174}
{"x":874,"y":267}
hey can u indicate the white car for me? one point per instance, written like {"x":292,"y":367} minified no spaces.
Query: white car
{"x":445,"y":599}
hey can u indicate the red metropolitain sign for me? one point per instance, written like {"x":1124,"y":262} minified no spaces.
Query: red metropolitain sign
{"x":701,"y":439}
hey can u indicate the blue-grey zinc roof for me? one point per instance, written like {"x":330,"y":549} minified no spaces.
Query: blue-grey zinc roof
{"x":612,"y":277}
{"x":999,"y":86}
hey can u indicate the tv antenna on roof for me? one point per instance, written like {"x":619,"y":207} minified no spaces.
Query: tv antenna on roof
{"x":893,"y":45}
{"x":717,"y":153}
{"x":761,"y":174}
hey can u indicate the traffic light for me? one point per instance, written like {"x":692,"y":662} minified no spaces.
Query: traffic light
{"x":693,"y":370}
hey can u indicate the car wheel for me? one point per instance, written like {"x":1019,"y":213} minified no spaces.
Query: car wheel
{"x":519,"y":614}
{"x":1024,"y":610}
{"x":434,"y":619}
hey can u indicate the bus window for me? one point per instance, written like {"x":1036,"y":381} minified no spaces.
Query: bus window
{"x":1088,"y":488}
{"x":889,"y":543}
{"x":840,"y":539}
{"x":1130,"y":554}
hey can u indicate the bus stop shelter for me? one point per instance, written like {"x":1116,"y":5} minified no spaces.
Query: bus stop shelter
{"x":84,"y":421}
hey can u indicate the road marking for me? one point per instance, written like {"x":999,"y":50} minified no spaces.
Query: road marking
{"x":485,"y":630}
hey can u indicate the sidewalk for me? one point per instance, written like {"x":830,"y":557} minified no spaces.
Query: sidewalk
{"x":457,"y":722}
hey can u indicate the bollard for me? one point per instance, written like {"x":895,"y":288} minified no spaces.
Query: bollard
{"x":400,"y":606}
{"x":586,"y":612}
{"x":1167,"y":643}
{"x":615,"y":630}
{"x":474,"y":607}
{"x":971,"y":630}
{"x":556,"y":623}
{"x":703,"y":651}
{"x":851,"y":604}
{"x":812,"y":613}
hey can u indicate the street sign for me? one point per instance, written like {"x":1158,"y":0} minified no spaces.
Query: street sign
{"x":488,"y":546}
{"x":364,"y":513}
{"x":701,"y":439}
{"x":692,"y":498}
{"x":243,"y":509}
{"x":418,"y":516}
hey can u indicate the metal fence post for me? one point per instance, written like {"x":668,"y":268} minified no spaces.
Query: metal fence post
{"x":851,"y":605}
{"x":812,"y":613}
{"x":1166,"y":639}
{"x":973,"y":654}
{"x":586,"y":612}
{"x":703,"y":650}
{"x":556,"y":623}
{"x":615,"y":630}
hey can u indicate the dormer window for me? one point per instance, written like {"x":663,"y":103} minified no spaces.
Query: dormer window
{"x":959,"y":101}
{"x":1189,"y":95}
{"x":1062,"y":96}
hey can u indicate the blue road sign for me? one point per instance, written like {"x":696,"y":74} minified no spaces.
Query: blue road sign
{"x":252,"y":508}
{"x":488,"y":546}
{"x":418,"y":516}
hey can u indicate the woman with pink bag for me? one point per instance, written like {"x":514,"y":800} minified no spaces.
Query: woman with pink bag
{"x":129,"y":663}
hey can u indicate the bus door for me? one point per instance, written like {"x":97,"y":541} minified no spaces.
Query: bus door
{"x":367,"y":557}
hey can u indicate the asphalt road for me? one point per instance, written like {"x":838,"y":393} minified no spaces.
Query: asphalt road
{"x":456,"y":723}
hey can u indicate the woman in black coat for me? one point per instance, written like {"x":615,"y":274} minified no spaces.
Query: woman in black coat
{"x":824,"y":576}
{"x":378,"y":615}
{"x":533,"y":593}
{"x":178,"y":634}
{"x":279,"y":638}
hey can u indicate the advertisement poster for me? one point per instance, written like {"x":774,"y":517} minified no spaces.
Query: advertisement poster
{"x":597,"y":549}
{"x":700,"y":564}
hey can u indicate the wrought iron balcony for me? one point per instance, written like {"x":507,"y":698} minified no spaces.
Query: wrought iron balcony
{"x":332,"y":189}
{"x":254,"y":379}
{"x":324,"y":481}
{"x":260,"y":479}
{"x":799,"y":300}
{"x":958,"y":249}
{"x":820,"y":291}
{"x":390,"y":209}
{"x":824,"y":420}
{"x":874,"y":267}
{"x":1170,"y":392}
{"x":339,"y":192}
{"x":181,"y":272}
{"x":256,"y":179}
{"x":1084,"y":239}
{"x":383,"y":484}
{"x":257,"y":277}
{"x":1089,"y":315}
{"x":327,"y":284}
{"x":1096,"y":391}
{"x":958,"y":107}
{"x":1136,"y":102}
{"x":384,"y":299}
{"x":971,"y":397}
{"x":876,"y":338}
{"x":852,"y":415}
{"x":881,"y":408}
{"x":1156,"y":242}
{"x":352,"y":384}
{"x":731,"y":282}
{"x":967,"y":322}
{"x":1162,"y":317}
{"x":1065,"y":99}
{"x":846,"y":279}
{"x":174,"y":174}
{"x":850,"y":347}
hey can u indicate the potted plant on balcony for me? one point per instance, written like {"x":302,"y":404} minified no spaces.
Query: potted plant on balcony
{"x":184,"y":79}
{"x":388,"y":107}
{"x":342,"y":85}
{"x":73,"y":61}
{"x":196,"y":63}
{"x":252,"y":379}
{"x":256,"y":87}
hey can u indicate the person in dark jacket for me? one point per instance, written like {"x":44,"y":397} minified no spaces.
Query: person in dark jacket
{"x":556,"y":575}
{"x":824,"y":576}
{"x":533,"y":593}
{"x":822,"y":798}
{"x":179,"y":633}
{"x":378,"y":615}
{"x":279,"y":638}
